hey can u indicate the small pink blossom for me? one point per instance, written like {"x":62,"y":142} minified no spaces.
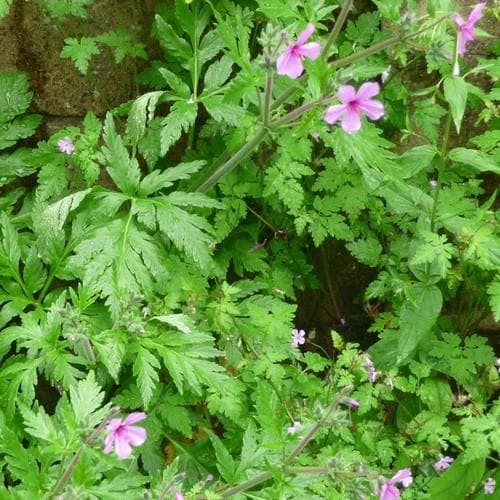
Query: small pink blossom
{"x":66,"y":146}
{"x":291,"y":62}
{"x":298,"y":337}
{"x":354,"y":104}
{"x":389,"y":490}
{"x":294,"y":428}
{"x":466,"y":28}
{"x":178,"y":496}
{"x":443,"y":463}
{"x":352,"y":403}
{"x":123,"y":435}
{"x":370,"y":369}
{"x":489,"y":486}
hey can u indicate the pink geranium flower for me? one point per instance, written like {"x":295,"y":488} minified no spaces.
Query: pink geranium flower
{"x":354,"y":104}
{"x":291,"y":62}
{"x":66,"y":146}
{"x":123,"y":435}
{"x":443,"y":463}
{"x":466,"y":28}
{"x":298,"y":337}
{"x":389,"y":490}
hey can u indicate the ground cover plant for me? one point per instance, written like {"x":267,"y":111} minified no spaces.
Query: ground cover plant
{"x":152,"y":260}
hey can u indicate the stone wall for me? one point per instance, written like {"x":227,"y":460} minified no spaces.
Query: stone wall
{"x":32,"y":42}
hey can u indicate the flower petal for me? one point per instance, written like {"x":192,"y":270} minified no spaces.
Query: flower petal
{"x":289,"y":65}
{"x":346,"y":93}
{"x":351,"y":121}
{"x":459,"y":21}
{"x":388,"y":492}
{"x":134,"y":417}
{"x":135,"y":435}
{"x":372,"y":109}
{"x":403,"y":476}
{"x":114,"y":424}
{"x":476,"y":14}
{"x":308,"y":31}
{"x":367,"y":91}
{"x":310,"y":50}
{"x":334,"y":113}
{"x":122,"y":448}
{"x":108,"y":443}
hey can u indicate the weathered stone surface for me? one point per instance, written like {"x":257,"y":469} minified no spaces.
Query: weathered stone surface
{"x":32,"y":42}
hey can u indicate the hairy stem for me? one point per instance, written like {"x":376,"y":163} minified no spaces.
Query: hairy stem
{"x":268,"y":95}
{"x":230,"y":164}
{"x":339,"y":23}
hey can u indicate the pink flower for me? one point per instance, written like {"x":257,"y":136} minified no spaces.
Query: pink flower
{"x":290,"y":63}
{"x":66,"y":146}
{"x":489,"y":486}
{"x":443,"y":463}
{"x":178,"y":496}
{"x":370,"y":369}
{"x":298,"y":337}
{"x":466,"y":28}
{"x":123,"y":435}
{"x":354,"y":104}
{"x":294,"y":428}
{"x":352,"y":403}
{"x":389,"y":490}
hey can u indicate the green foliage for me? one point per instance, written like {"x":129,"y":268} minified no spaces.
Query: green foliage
{"x":125,"y":288}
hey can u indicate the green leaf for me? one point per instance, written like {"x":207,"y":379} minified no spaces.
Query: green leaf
{"x":455,"y":92}
{"x":218,"y":73}
{"x":4,"y":7}
{"x":10,"y":253}
{"x":180,"y":88}
{"x":146,"y":368}
{"x":123,"y":169}
{"x":181,"y":117}
{"x":222,"y":111}
{"x":460,"y":478}
{"x":416,"y":159}
{"x":80,"y":51}
{"x":86,"y":400}
{"x":20,"y":128}
{"x":417,"y":317}
{"x":142,"y":111}
{"x":494,"y":293}
{"x":121,"y":41}
{"x":15,"y":96}
{"x":225,"y":462}
{"x":173,"y":44}
{"x":436,"y":394}
{"x":158,"y":179}
{"x":477,"y":159}
{"x":38,"y":424}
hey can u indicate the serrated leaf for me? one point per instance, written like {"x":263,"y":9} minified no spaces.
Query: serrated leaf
{"x":80,"y":52}
{"x":180,"y":88}
{"x":146,"y":368}
{"x":181,"y":117}
{"x":225,"y":462}
{"x":218,"y":73}
{"x":455,"y":92}
{"x":494,"y":293}
{"x":86,"y":400}
{"x":173,"y":44}
{"x":141,"y":112}
{"x":123,"y":169}
{"x":418,"y":316}
{"x":158,"y":179}
{"x":477,"y":159}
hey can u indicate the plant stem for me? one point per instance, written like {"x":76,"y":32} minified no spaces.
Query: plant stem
{"x":383,"y":45}
{"x":296,"y":113}
{"x":268,"y":95}
{"x":64,"y":479}
{"x":339,"y":23}
{"x":442,"y":166}
{"x":329,"y":283}
{"x":230,"y":164}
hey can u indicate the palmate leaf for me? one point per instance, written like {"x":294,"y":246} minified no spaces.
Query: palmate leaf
{"x":86,"y":400}
{"x":188,"y":232}
{"x":189,"y":360}
{"x":118,"y":259}
{"x":80,"y":52}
